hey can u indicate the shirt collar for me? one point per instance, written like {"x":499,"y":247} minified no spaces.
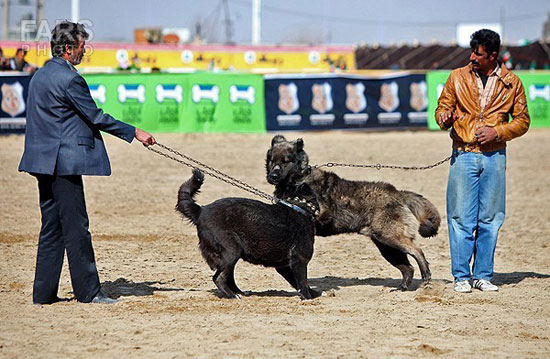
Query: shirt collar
{"x":496,"y":71}
{"x":71,"y":66}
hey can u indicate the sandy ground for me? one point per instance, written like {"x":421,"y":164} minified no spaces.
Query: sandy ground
{"x":148,"y":258}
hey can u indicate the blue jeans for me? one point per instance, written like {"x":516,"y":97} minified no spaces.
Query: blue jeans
{"x":476,"y":196}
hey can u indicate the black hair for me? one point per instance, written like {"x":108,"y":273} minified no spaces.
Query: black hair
{"x":489,"y":39}
{"x":66,"y":34}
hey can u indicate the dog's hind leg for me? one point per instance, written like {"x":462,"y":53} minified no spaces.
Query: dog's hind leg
{"x":422,"y":263}
{"x":412,"y":249}
{"x":400,"y":261}
{"x":406,"y":245}
{"x":225,"y":277}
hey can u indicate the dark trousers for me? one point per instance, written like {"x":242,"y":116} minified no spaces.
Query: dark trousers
{"x":64,"y":227}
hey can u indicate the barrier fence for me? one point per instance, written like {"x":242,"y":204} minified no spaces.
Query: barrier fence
{"x":240,"y":102}
{"x":345,"y":102}
{"x":198,"y":102}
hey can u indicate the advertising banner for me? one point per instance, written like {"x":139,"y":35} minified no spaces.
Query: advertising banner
{"x":153,"y":102}
{"x":111,"y":56}
{"x":224,"y":103}
{"x":537,"y":91}
{"x":13,"y":97}
{"x":295,"y":102}
{"x":199,"y":102}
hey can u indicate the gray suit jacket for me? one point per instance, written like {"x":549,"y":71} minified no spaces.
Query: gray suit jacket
{"x":63,"y":125}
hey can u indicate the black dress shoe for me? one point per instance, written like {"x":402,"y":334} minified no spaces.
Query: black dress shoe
{"x":102,"y":298}
{"x":56,"y":300}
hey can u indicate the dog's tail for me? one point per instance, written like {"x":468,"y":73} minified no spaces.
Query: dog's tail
{"x":186,"y":203}
{"x":425,"y":212}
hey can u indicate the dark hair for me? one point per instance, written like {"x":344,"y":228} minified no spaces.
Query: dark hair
{"x":66,"y":34}
{"x":489,"y":39}
{"x":21,"y":50}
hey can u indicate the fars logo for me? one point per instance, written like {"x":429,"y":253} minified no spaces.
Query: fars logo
{"x":131,"y":92}
{"x":246,"y":93}
{"x":169,"y":92}
{"x":539,"y":91}
{"x":98,"y":92}
{"x":205,"y":92}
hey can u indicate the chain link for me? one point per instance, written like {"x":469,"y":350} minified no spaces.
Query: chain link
{"x":212,"y":172}
{"x":248,"y":188}
{"x":379,"y":166}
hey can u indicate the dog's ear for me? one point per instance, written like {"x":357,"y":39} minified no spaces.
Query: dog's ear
{"x":299,"y":145}
{"x":267,"y":160}
{"x":277,"y":139}
{"x":302,"y":156}
{"x":304,"y":159}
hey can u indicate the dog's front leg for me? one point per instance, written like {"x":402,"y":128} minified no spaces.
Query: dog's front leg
{"x":299,"y":268}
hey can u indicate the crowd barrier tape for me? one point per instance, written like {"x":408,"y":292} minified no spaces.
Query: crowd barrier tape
{"x":537,"y":91}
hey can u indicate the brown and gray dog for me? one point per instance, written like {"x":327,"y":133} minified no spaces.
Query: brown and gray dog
{"x":390,"y":217}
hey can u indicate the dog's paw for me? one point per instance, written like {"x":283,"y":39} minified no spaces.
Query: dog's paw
{"x":315,"y":293}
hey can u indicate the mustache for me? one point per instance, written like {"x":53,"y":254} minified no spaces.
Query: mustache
{"x":474,"y":62}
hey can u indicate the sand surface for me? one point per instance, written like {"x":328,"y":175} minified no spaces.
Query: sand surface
{"x":148,"y":258}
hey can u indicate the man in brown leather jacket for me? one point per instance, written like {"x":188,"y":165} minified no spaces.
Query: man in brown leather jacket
{"x":476,"y":104}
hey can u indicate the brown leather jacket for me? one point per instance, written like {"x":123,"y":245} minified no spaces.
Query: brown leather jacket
{"x":460,"y":95}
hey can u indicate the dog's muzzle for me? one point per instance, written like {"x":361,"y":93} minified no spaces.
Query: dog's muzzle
{"x":274,"y":176}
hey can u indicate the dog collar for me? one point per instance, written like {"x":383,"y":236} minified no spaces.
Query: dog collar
{"x":293,"y":206}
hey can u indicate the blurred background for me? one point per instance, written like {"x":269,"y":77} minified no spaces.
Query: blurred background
{"x":257,"y":65}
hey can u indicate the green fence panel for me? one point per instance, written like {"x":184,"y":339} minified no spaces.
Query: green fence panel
{"x":537,"y":90}
{"x":198,"y":102}
{"x":224,"y":102}
{"x":435,"y":81}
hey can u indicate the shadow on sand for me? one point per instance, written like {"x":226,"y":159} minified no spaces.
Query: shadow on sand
{"x":123,"y":287}
{"x":516,"y":277}
{"x":335,"y":283}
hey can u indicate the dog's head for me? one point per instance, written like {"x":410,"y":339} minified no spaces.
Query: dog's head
{"x":286,"y":160}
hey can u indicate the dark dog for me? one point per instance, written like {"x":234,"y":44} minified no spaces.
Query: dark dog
{"x":273,"y":235}
{"x":391,"y":218}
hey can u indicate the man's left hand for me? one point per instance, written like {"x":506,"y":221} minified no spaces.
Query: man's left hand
{"x":144,"y":137}
{"x":486,"y":135}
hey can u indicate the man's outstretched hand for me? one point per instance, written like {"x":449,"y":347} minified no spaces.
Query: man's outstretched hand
{"x":144,"y":137}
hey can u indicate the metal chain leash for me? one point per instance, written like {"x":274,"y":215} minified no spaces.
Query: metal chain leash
{"x":379,"y":166}
{"x":212,"y":172}
{"x":248,"y":188}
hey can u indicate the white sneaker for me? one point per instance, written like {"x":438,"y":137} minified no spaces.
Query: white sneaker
{"x":484,"y":285}
{"x":463,"y":286}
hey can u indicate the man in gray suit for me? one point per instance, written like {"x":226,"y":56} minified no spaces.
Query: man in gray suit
{"x":62,"y":143}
